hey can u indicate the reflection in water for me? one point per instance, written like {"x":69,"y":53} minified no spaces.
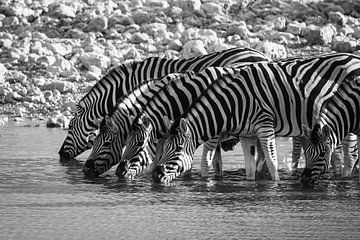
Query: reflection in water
{"x":42,"y":198}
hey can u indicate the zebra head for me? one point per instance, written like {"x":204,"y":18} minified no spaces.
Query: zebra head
{"x":139,"y":151}
{"x":317,"y":152}
{"x":106,"y":151}
{"x":175,"y":154}
{"x":79,"y":137}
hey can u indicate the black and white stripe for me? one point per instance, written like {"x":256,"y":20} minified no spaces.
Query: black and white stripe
{"x":123,"y":79}
{"x":263,"y":99}
{"x":339,"y":117}
{"x":102,"y":158}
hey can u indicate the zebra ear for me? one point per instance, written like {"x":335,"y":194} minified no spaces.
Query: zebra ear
{"x":326,"y":131}
{"x":98,"y":122}
{"x":132,"y":118}
{"x":110,"y":123}
{"x":183,"y":126}
{"x":146,"y":121}
{"x":168,"y":123}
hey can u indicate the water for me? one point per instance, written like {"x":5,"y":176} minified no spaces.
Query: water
{"x":40,"y":198}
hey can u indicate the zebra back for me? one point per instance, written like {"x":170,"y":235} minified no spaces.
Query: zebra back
{"x":123,"y":79}
{"x":339,"y":116}
{"x":288,"y":94}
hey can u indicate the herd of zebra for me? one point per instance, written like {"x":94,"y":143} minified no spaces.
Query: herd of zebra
{"x":161,"y":110}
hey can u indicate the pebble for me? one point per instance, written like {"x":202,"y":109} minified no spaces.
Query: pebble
{"x":53,"y":51}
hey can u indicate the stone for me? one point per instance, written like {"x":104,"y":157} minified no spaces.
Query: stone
{"x":273,"y":50}
{"x":59,"y":48}
{"x":343,"y":44}
{"x":139,"y":38}
{"x":320,"y":35}
{"x":157,"y":3}
{"x":188,"y":5}
{"x":3,"y":71}
{"x":58,"y":122}
{"x":98,"y":24}
{"x":61,"y":86}
{"x":61,"y":10}
{"x":296,"y":27}
{"x":193,"y":48}
{"x":338,"y":18}
{"x":6,"y":43}
{"x":94,"y":59}
{"x":211,"y":8}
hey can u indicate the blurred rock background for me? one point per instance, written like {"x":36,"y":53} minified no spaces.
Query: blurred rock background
{"x":53,"y":51}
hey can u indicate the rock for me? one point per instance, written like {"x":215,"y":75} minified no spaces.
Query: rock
{"x":279,"y":23}
{"x":139,"y":38}
{"x":208,"y":36}
{"x":61,"y":86}
{"x":98,"y":24}
{"x":94,"y":74}
{"x":59,"y":48}
{"x":94,"y":59}
{"x":157,"y":3}
{"x":296,"y":27}
{"x":337,"y":18}
{"x":320,"y":35}
{"x":188,"y":5}
{"x":3,"y":120}
{"x":76,"y":33}
{"x":3,"y":72}
{"x":273,"y":50}
{"x":343,"y":44}
{"x":211,"y":8}
{"x":16,"y":77}
{"x":6,"y":43}
{"x":60,"y":10}
{"x":141,"y":17}
{"x":58,"y":122}
{"x":193,"y":48}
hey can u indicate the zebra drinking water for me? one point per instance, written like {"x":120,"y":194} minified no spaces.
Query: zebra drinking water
{"x":123,"y":79}
{"x":263,"y":99}
{"x":106,"y":152}
{"x":339,"y":116}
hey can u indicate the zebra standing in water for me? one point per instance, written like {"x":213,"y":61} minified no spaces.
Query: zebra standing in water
{"x":123,"y":79}
{"x":108,"y":145}
{"x":150,"y":125}
{"x":339,"y":116}
{"x":263,"y":99}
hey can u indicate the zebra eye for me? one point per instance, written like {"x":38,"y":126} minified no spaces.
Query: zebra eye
{"x":107,"y":144}
{"x":179,"y":148}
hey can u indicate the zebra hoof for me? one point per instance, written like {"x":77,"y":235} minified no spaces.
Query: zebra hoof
{"x":306,"y":180}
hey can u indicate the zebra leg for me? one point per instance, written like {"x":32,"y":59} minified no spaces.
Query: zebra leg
{"x":350,"y":154}
{"x":217,"y":162}
{"x":296,"y":152}
{"x":268,"y":144}
{"x":209,"y":152}
{"x":248,"y":146}
{"x":336,"y":157}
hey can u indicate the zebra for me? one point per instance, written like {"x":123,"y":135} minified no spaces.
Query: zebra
{"x":115,"y":127}
{"x":124,"y":78}
{"x":338,"y":117}
{"x":150,"y":125}
{"x":276,"y":98}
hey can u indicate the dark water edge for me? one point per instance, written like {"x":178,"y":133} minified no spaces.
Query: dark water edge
{"x":40,"y":198}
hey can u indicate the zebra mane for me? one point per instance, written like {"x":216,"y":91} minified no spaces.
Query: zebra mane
{"x":108,"y":77}
{"x":175,"y":125}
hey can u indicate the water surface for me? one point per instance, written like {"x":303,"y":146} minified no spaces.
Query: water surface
{"x":40,"y":198}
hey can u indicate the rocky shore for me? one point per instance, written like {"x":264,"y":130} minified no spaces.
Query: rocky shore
{"x":52,"y":52}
